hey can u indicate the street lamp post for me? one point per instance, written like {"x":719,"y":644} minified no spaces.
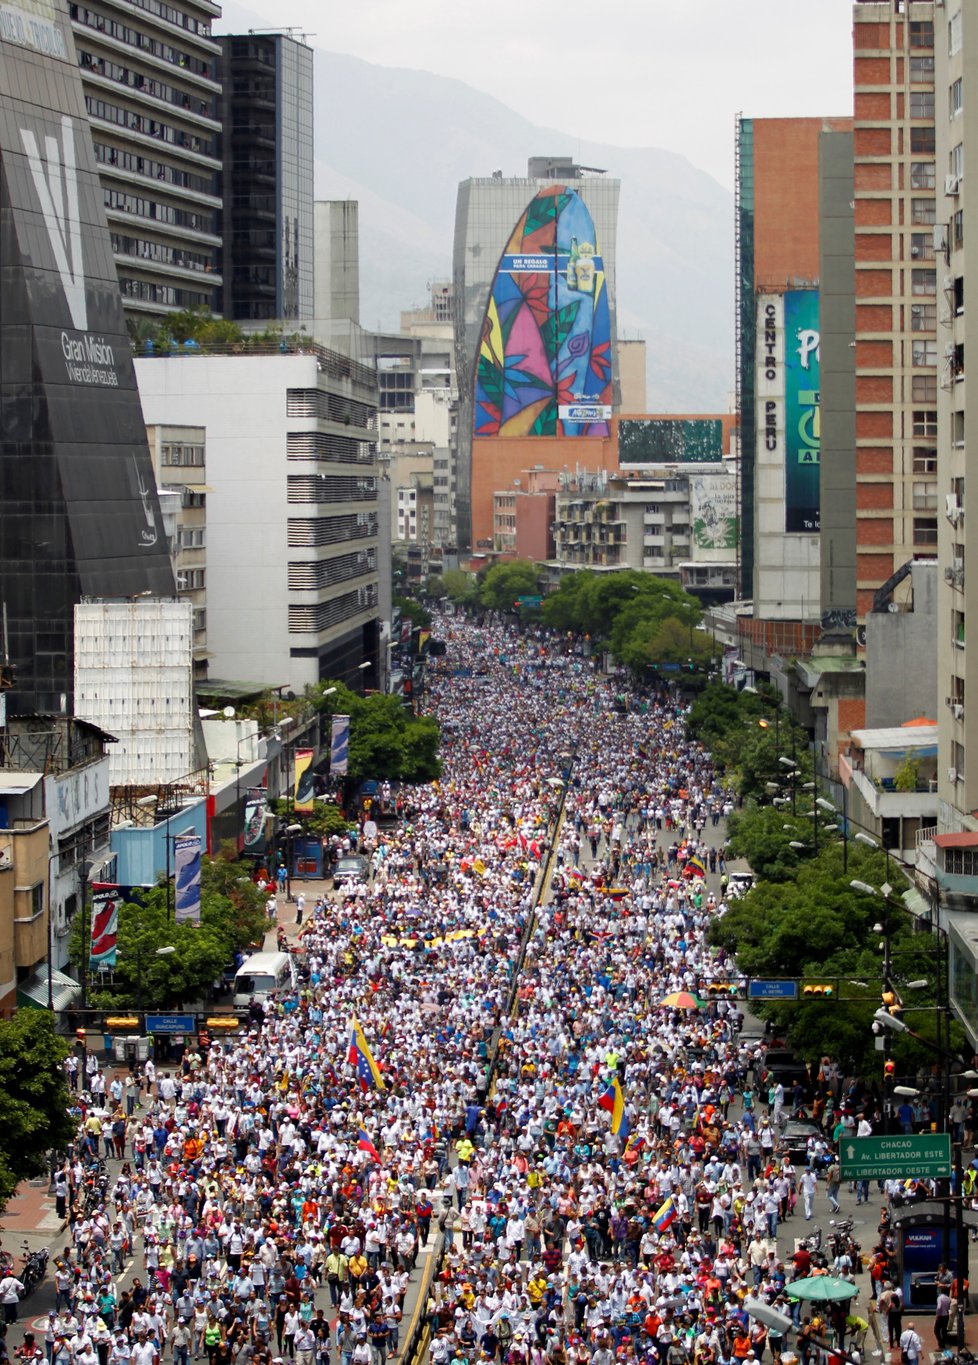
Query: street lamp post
{"x":890,"y":1023}
{"x":291,"y":830}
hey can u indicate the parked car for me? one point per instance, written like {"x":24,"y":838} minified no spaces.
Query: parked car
{"x":795,"y":1139}
{"x":354,"y":867}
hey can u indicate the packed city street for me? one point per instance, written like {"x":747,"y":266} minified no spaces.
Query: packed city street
{"x":503,"y":1064}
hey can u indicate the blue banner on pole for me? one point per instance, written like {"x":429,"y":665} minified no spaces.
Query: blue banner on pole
{"x":187,"y":864}
{"x":339,"y":751}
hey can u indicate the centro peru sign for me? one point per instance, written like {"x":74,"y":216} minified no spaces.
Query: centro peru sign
{"x":901,"y":1155}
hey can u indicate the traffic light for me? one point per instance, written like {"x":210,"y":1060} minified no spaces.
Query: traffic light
{"x":891,"y":1001}
{"x":722,"y":989}
{"x":889,"y":1068}
{"x":818,"y":990}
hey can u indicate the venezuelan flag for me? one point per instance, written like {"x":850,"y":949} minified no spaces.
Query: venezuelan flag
{"x":365,"y":1144}
{"x":360,"y":1056}
{"x":695,"y":867}
{"x":664,"y":1215}
{"x":613,"y":1101}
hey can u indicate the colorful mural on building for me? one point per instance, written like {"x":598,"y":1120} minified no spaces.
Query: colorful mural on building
{"x":544,"y":366}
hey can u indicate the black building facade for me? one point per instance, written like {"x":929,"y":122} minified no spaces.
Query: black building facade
{"x":79,"y":514}
{"x":267,"y":108}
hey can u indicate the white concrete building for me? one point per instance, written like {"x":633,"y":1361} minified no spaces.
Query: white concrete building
{"x":292,"y":524}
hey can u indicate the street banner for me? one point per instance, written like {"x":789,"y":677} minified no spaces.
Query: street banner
{"x":303,"y":790}
{"x":254,"y":841}
{"x":339,"y":749}
{"x":105,"y":925}
{"x":187,"y":878}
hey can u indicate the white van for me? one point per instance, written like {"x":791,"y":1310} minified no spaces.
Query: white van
{"x":261,"y":974}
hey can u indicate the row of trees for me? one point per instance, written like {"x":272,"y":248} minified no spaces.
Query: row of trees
{"x":643,"y":620}
{"x":803,"y":920}
{"x":748,"y":734}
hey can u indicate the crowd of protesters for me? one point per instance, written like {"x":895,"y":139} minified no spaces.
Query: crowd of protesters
{"x":519,"y":1079}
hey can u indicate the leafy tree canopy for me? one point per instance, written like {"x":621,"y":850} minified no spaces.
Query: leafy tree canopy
{"x":652,"y":641}
{"x":748,"y":733}
{"x":808,"y":924}
{"x":505,"y":582}
{"x":460,"y":587}
{"x":598,"y":605}
{"x":417,"y":614}
{"x":232,"y":918}
{"x":34,"y":1097}
{"x":386,"y":741}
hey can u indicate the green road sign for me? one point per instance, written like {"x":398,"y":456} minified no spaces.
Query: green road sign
{"x":529,"y":601}
{"x":900,"y":1155}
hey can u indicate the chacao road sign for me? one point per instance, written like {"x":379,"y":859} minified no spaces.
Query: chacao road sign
{"x":901,"y":1155}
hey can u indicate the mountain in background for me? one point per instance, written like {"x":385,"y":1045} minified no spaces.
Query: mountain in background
{"x":399,"y":141}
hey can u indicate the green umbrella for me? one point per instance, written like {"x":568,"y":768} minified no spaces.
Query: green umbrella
{"x":822,"y":1289}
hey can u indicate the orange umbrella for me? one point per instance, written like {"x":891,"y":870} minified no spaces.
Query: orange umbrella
{"x":681,"y":1000}
{"x":917,"y":720}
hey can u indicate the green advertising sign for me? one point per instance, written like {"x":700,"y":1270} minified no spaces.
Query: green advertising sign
{"x":899,"y":1156}
{"x":801,"y":411}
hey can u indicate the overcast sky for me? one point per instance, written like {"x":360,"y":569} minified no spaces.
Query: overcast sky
{"x":666,"y":73}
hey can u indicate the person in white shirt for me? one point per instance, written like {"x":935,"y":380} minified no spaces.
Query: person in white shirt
{"x":10,"y":1291}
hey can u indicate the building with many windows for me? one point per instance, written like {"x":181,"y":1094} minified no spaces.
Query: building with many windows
{"x":150,"y":73}
{"x":267,"y":113}
{"x":900,"y":265}
{"x":292,"y":587}
{"x":179,"y":459}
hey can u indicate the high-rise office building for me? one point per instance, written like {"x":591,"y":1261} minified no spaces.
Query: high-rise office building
{"x":535,"y":330}
{"x":267,"y":111}
{"x":151,"y":82}
{"x":79,"y":514}
{"x":777,"y":264}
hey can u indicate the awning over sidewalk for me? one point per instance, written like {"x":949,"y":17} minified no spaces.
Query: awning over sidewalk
{"x":33,"y":993}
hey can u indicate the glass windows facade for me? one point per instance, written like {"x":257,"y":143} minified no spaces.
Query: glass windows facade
{"x":268,"y":177}
{"x":79,"y":514}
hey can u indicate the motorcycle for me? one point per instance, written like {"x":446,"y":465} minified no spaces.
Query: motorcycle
{"x":843,"y":1243}
{"x":35,"y":1267}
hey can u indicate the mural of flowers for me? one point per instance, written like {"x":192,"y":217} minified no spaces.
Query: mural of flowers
{"x":545,"y":352}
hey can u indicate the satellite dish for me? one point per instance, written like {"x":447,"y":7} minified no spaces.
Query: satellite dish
{"x":228,"y":713}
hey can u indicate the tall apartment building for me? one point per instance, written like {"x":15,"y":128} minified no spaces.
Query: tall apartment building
{"x":956,"y":52}
{"x":532,"y":392}
{"x":267,"y":118}
{"x":292,"y":587}
{"x":152,"y":84}
{"x":900,"y":266}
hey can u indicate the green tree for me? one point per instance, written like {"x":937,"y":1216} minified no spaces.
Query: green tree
{"x":608,"y":607}
{"x":34,"y":1097}
{"x":810,"y":925}
{"x":654,"y":641}
{"x":460,"y":588}
{"x":505,"y":582}
{"x":324,"y":820}
{"x":232,"y":919}
{"x":417,"y":614}
{"x":435,"y":587}
{"x":386,"y":741}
